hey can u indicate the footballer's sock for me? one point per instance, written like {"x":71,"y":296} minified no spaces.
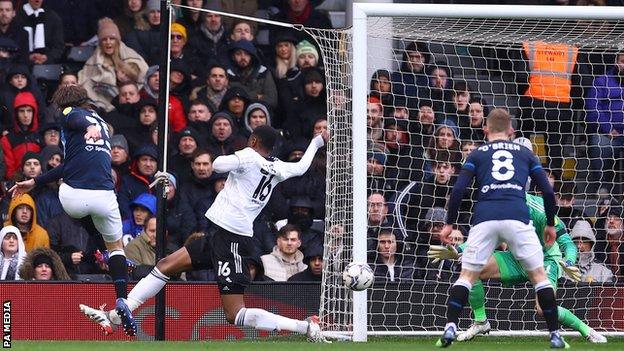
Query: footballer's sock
{"x":264,"y":320}
{"x":477,"y":301}
{"x":458,"y":297}
{"x":146,"y":288}
{"x":547,"y":300}
{"x":118,"y":269}
{"x":568,"y":319}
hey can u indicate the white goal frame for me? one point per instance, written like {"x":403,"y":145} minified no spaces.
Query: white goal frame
{"x":361,"y":12}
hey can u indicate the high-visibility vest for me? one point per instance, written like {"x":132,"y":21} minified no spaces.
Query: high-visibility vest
{"x":551,"y":66}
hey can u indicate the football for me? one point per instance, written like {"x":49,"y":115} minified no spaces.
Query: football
{"x":358,"y":276}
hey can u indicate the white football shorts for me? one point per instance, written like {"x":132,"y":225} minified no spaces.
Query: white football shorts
{"x":486,"y":236}
{"x":101,"y":205}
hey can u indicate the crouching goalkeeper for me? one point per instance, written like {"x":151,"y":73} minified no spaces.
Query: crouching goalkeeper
{"x":502,"y":265}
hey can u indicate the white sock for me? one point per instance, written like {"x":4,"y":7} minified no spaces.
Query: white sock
{"x":264,"y":320}
{"x":146,"y":288}
{"x":450,"y":325}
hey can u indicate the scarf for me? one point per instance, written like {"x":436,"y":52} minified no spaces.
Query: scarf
{"x":214,"y":37}
{"x":302,"y":17}
{"x":34,"y":26}
{"x":11,"y":272}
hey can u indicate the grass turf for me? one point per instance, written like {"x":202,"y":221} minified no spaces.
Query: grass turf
{"x":292,"y":344}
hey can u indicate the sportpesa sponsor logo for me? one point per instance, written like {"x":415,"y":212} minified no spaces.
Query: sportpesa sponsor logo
{"x":489,"y":187}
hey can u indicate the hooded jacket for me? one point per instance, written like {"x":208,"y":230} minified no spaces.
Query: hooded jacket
{"x":278,"y":268}
{"x":231,"y":144}
{"x":36,"y":235}
{"x":21,"y":140}
{"x":256,"y":79}
{"x":67,"y":235}
{"x":27,"y":271}
{"x":251,"y":108}
{"x":8,"y":92}
{"x":16,"y":261}
{"x":134,"y":183}
{"x":130,"y":228}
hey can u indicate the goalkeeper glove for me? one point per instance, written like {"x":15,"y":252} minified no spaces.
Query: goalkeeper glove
{"x":570,"y":270}
{"x":438,"y":252}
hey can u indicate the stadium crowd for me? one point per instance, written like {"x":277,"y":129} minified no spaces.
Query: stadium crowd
{"x":224,"y":82}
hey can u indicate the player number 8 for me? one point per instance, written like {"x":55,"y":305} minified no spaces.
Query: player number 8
{"x":507,"y":164}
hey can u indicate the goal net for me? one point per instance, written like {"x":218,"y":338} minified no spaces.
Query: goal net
{"x":405,"y":112}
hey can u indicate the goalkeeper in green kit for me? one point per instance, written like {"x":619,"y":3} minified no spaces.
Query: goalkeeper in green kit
{"x":502,"y":265}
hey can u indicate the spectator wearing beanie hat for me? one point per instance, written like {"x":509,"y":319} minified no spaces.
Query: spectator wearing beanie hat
{"x":151,"y":83}
{"x":120,"y":154}
{"x":99,"y":75}
{"x":256,"y":115}
{"x":247,"y":71}
{"x":224,"y":137}
{"x":181,"y":50}
{"x":142,"y":169}
{"x":235,"y":103}
{"x":187,"y":141}
{"x":311,"y":106}
{"x":307,"y":55}
{"x":146,"y":41}
{"x":46,"y":198}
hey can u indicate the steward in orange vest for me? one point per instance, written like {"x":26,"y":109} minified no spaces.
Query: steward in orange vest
{"x":551,"y":67}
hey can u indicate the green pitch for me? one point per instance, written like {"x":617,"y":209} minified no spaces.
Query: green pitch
{"x":292,"y":344}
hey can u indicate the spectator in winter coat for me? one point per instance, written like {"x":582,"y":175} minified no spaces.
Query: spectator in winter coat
{"x":312,"y":105}
{"x":47,"y":203}
{"x":24,"y":136}
{"x":217,"y":84}
{"x":180,"y":89}
{"x":198,"y":194}
{"x":592,"y":271}
{"x":302,"y":12}
{"x":140,"y":133}
{"x":43,"y":264}
{"x":200,"y":112}
{"x":286,"y":260}
{"x":187,"y":141}
{"x":224,"y":138}
{"x":11,"y":30}
{"x":235,"y":103}
{"x":142,"y":249}
{"x":50,"y":135}
{"x":314,"y":259}
{"x":211,"y":42}
{"x":247,"y":71}
{"x":110,"y":61}
{"x":147,"y":42}
{"x":143,"y":207}
{"x":151,"y":84}
{"x":132,"y":17}
{"x":18,"y":79}
{"x":120,"y":154}
{"x":180,"y":222}
{"x":411,"y":80}
{"x":12,"y":251}
{"x":45,"y":31}
{"x":142,"y":170}
{"x":192,"y":19}
{"x":256,"y":114}
{"x":390,"y":263}
{"x":180,"y":50}
{"x":23,"y":215}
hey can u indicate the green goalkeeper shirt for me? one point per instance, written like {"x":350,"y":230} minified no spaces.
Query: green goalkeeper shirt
{"x":562,"y":244}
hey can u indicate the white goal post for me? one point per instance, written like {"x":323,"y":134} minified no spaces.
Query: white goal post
{"x":361,"y":73}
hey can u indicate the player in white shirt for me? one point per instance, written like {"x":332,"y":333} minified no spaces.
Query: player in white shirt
{"x":252,"y":177}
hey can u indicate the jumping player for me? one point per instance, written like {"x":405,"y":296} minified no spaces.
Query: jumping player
{"x":252,"y":177}
{"x":502,"y":265}
{"x":501,"y":169}
{"x":87,"y":191}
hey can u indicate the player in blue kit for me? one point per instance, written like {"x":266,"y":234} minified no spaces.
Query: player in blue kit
{"x":87,"y":191}
{"x":501,"y":169}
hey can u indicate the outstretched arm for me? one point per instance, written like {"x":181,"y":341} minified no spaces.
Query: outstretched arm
{"x":294,"y":169}
{"x":223,"y":164}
